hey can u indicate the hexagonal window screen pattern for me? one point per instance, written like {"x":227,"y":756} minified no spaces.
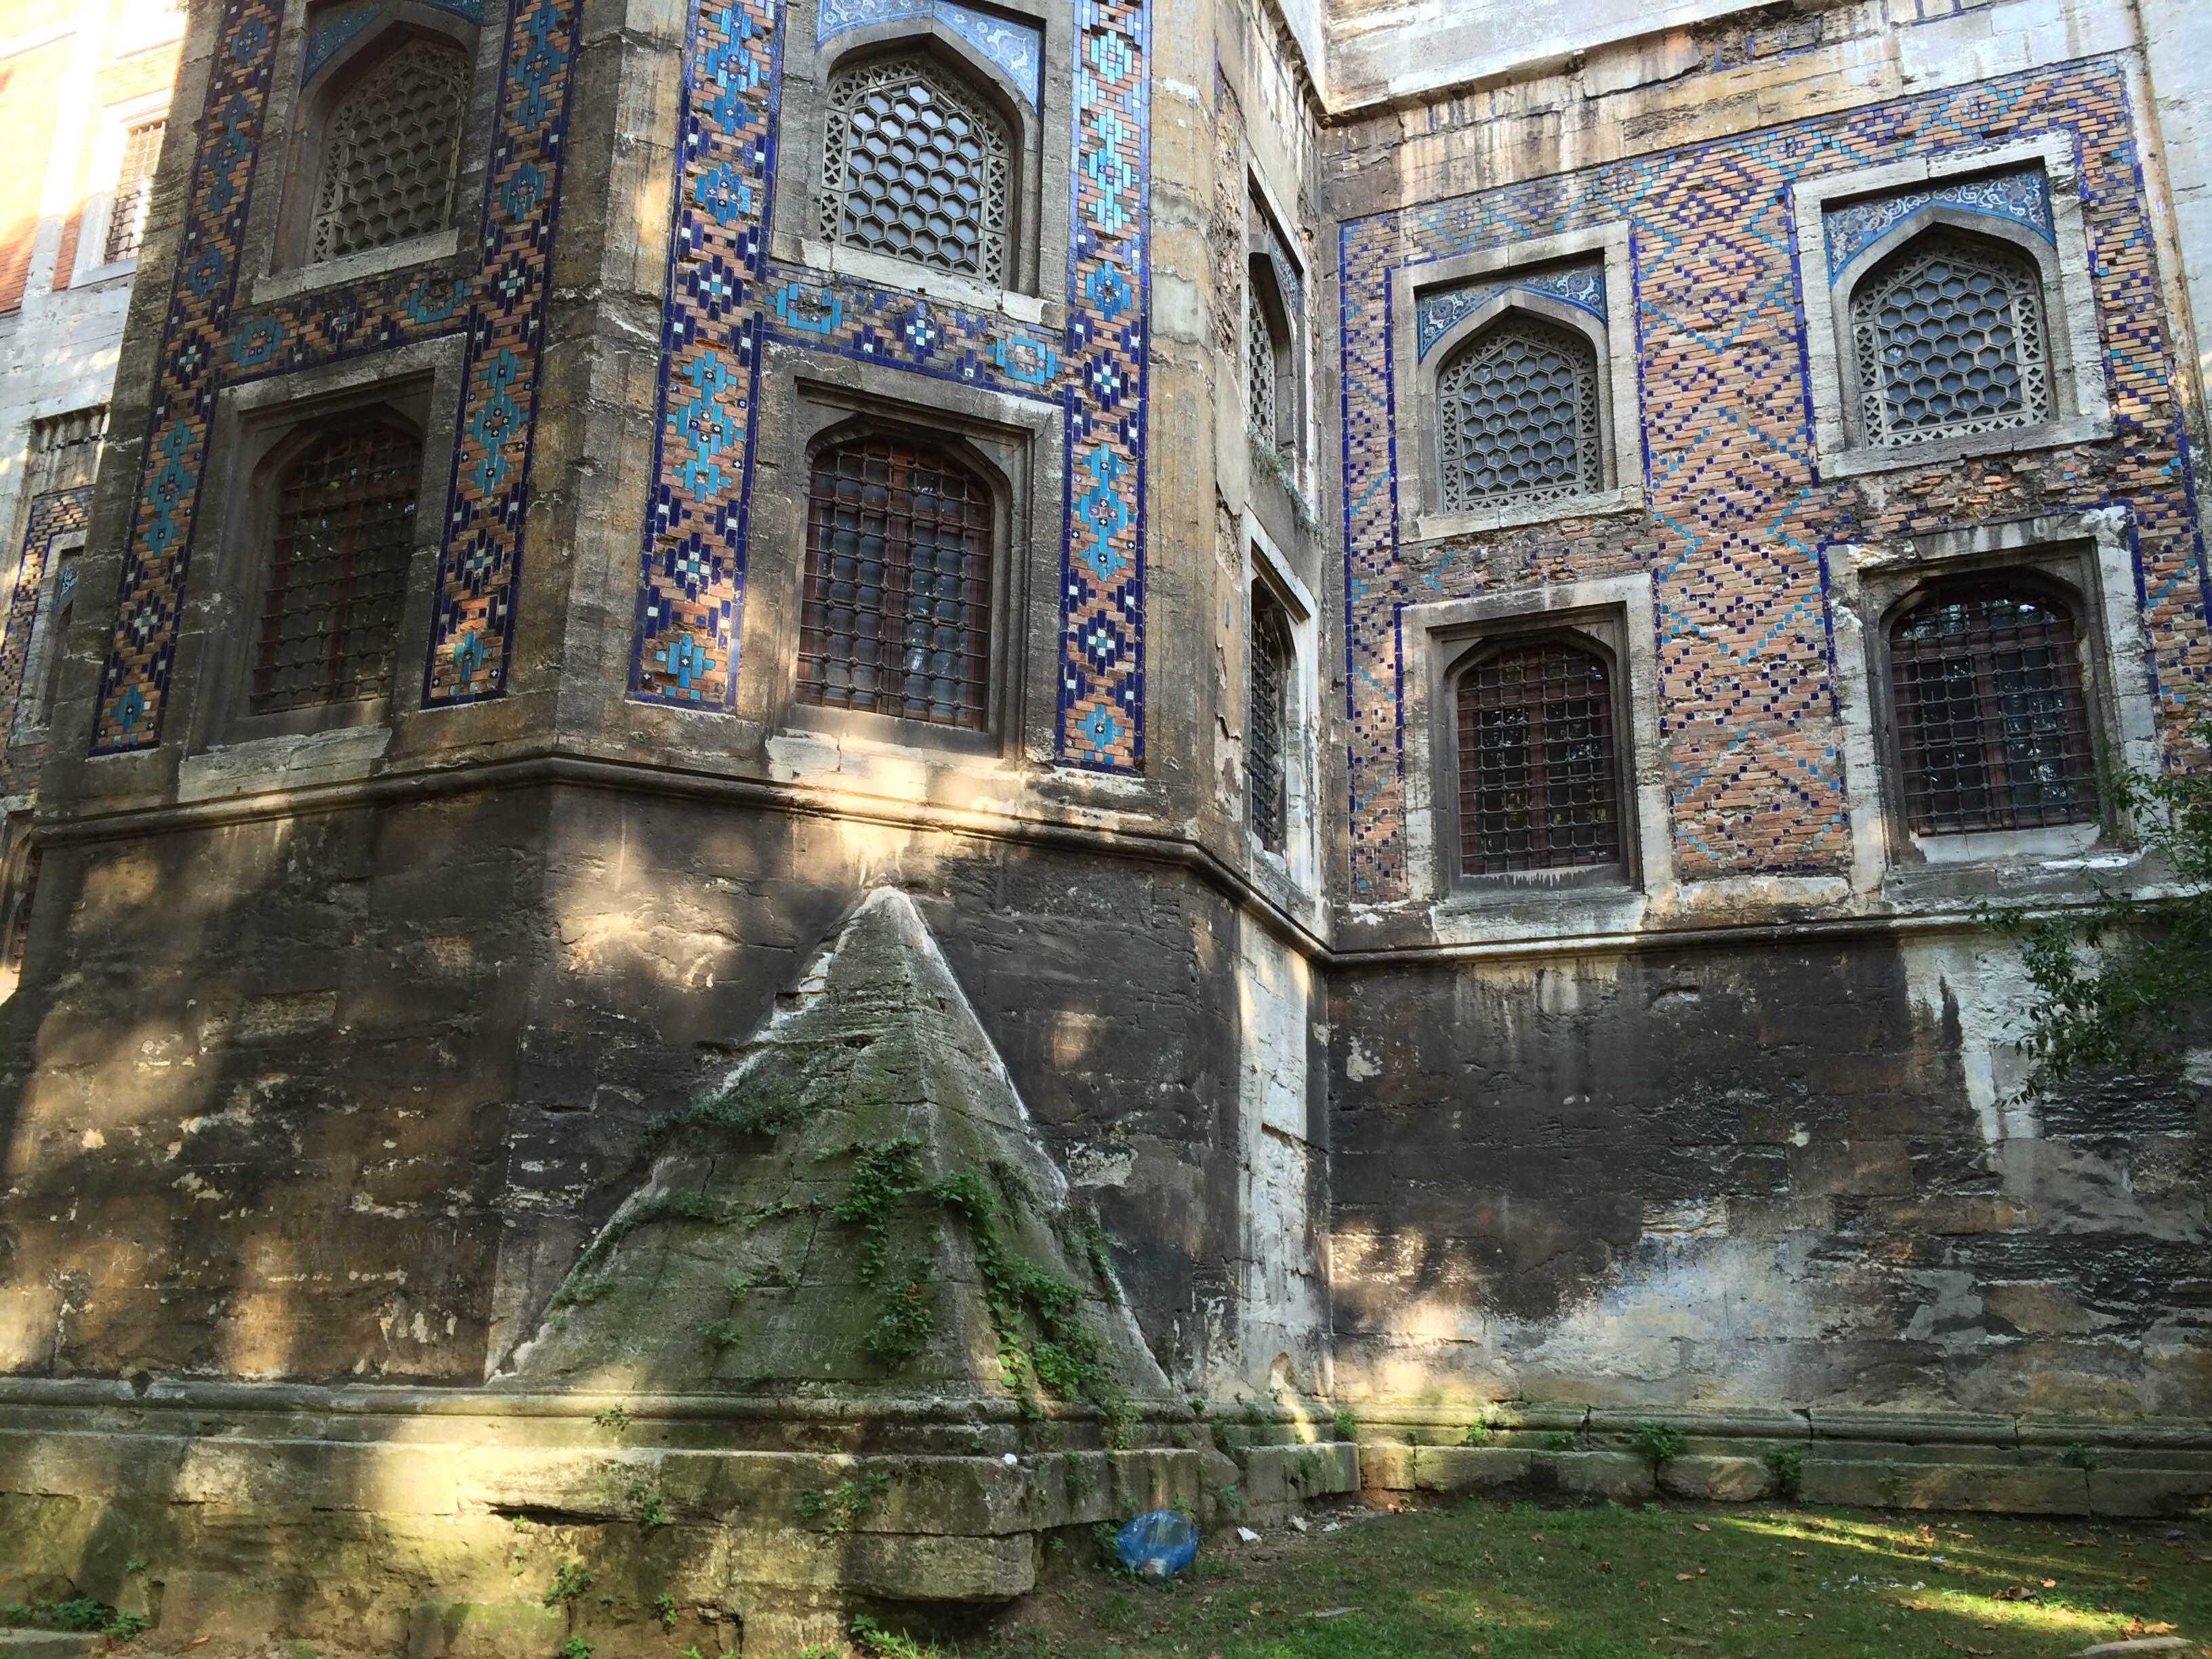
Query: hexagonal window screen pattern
{"x":1949,"y":338}
{"x":387,"y":171}
{"x":917,"y":166}
{"x":1516,"y":416}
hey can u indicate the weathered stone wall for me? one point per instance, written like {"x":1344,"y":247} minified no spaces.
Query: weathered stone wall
{"x":341,"y":1095}
{"x":1747,"y":1178}
{"x":1780,"y":1170}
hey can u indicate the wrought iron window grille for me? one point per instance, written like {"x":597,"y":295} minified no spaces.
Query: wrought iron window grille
{"x":894,"y":615}
{"x":1539,"y":778}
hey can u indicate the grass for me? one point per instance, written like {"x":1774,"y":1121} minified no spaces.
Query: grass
{"x":1662,"y":1582}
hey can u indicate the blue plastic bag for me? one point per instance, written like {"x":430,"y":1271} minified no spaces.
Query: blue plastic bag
{"x":1158,"y":1545}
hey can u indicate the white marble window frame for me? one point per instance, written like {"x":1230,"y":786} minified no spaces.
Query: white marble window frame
{"x":1413,"y":394}
{"x":2081,"y":408}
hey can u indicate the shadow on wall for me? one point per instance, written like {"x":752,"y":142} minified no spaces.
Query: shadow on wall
{"x":338,"y":1099}
{"x":1751,"y":1179}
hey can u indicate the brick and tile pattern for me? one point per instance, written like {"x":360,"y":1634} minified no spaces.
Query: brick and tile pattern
{"x":1737,"y":513}
{"x":726,"y":300}
{"x":494,"y":295}
{"x":55,"y":517}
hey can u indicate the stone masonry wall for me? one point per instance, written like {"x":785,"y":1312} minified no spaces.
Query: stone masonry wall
{"x":1747,"y":1178}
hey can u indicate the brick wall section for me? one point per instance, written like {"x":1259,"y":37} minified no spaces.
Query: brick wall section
{"x":1737,"y":512}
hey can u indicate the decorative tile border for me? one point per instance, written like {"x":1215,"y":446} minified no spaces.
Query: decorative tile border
{"x":1437,"y":310}
{"x":335,"y":25}
{"x":54,"y":516}
{"x":2020,"y":194}
{"x":725,"y":300}
{"x":480,"y":561}
{"x":208,"y":342}
{"x":1736,"y":509}
{"x":1015,"y":47}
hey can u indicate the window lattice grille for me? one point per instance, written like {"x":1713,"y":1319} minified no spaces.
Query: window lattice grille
{"x":1538,"y":784}
{"x":388,"y":158}
{"x":134,"y":189}
{"x":1517,"y":416}
{"x":1993,"y":731}
{"x":917,"y":167}
{"x":337,"y":573}
{"x":1260,"y":363}
{"x":895,"y":616}
{"x":1949,"y":338}
{"x":1267,"y":719}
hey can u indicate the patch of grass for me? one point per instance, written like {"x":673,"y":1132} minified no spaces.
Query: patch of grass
{"x":882,"y":1174}
{"x":2079,"y":1455}
{"x":78,"y":1612}
{"x":613,"y":1417}
{"x":1345,"y":1423}
{"x":871,"y":1639}
{"x":839,"y":1508}
{"x":1478,"y":1434}
{"x":570,"y":1580}
{"x":651,"y":1507}
{"x":125,"y":1626}
{"x":1666,"y":1581}
{"x":1656,"y":1443}
{"x":574,"y":1647}
{"x":908,"y":1318}
{"x":1786,"y":1464}
{"x":1557,"y":1440}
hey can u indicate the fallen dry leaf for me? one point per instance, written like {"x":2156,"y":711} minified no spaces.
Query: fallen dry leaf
{"x":1699,"y":1526}
{"x":1605,"y":1566}
{"x":1684,"y":1578}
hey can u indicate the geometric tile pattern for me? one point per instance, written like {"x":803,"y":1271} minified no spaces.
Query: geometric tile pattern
{"x":1016,"y":47}
{"x":725,"y":299}
{"x":494,"y":294}
{"x":55,"y":517}
{"x":2022,"y":195}
{"x":1436,"y":310}
{"x":1736,"y":512}
{"x":333,"y":26}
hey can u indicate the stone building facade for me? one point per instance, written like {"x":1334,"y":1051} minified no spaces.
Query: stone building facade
{"x":1443,"y":612}
{"x":85,"y":91}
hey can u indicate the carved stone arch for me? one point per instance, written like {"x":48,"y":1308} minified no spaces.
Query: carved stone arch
{"x":1465,"y":395}
{"x":958,"y":204}
{"x":2038,"y":350}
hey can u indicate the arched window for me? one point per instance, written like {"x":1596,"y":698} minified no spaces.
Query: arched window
{"x":1266,"y":718}
{"x":918,"y":165}
{"x":1992,"y":727}
{"x":894,"y":617}
{"x":389,"y":148}
{"x":1949,"y":336}
{"x":1539,"y":783}
{"x":1517,"y":416}
{"x":337,"y":569}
